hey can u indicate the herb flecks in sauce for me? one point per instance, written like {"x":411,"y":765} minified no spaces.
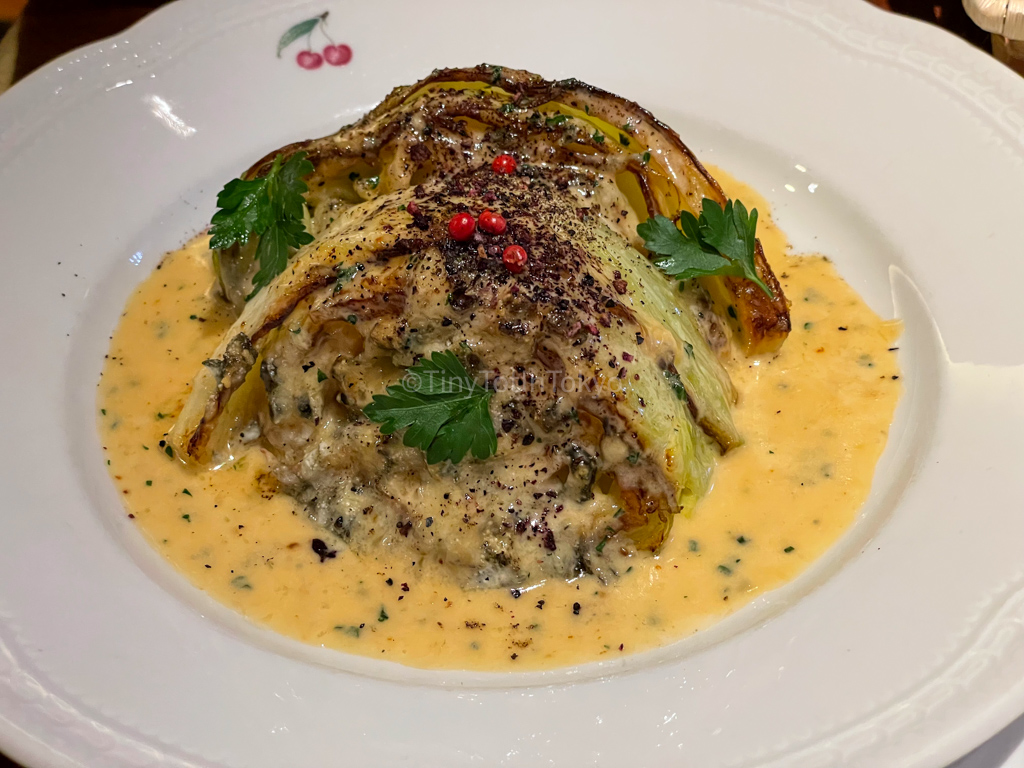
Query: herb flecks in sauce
{"x":790,"y":436}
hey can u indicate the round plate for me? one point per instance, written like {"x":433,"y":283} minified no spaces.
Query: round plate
{"x":891,"y":146}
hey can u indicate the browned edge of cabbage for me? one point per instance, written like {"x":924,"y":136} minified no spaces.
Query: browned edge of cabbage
{"x":760,"y":323}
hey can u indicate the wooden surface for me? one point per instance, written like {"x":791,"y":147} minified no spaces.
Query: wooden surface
{"x":49,"y":28}
{"x":1010,"y":52}
{"x":9,"y":9}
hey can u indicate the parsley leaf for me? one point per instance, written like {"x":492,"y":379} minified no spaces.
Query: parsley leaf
{"x":677,"y":254}
{"x":244,"y":209}
{"x":721,"y":242}
{"x":443,"y":411}
{"x":272,"y":209}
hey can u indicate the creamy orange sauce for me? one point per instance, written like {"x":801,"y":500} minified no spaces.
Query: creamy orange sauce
{"x":815,"y":419}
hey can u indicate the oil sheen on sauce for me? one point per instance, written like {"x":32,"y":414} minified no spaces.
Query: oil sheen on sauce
{"x":815,"y":419}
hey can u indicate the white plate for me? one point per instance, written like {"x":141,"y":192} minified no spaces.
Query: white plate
{"x":903,"y":646}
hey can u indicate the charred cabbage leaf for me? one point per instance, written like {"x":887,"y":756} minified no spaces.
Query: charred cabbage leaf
{"x":407,"y":139}
{"x":606,"y":401}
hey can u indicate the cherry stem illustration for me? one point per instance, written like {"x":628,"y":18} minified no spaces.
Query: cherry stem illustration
{"x":323,"y":27}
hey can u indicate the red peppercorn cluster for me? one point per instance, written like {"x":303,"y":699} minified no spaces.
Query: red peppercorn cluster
{"x":462,"y":226}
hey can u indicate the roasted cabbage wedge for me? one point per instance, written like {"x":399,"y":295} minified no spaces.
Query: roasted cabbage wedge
{"x":610,"y":400}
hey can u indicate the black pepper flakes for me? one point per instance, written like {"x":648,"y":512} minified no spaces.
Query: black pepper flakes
{"x":322,"y":550}
{"x":575,"y":609}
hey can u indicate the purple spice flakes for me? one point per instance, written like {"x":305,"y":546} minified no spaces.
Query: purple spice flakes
{"x":321,"y":549}
{"x":627,"y":357}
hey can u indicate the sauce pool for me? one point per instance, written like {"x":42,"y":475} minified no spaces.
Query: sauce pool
{"x":815,"y":419}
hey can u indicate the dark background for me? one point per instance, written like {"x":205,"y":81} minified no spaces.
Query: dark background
{"x":49,"y":28}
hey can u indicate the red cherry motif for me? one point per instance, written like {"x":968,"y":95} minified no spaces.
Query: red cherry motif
{"x":493,"y":222}
{"x":309,"y":59}
{"x":461,"y":226}
{"x":504,"y":164}
{"x":338,"y":55}
{"x":514,"y":258}
{"x":335,"y":55}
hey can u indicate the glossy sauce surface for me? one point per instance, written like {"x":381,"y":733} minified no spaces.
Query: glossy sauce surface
{"x":815,"y":419}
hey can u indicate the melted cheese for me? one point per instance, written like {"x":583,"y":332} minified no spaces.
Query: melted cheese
{"x":815,"y":419}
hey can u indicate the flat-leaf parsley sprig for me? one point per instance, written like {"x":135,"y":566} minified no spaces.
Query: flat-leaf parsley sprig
{"x":721,"y":242}
{"x":442,"y":410}
{"x":270,"y":208}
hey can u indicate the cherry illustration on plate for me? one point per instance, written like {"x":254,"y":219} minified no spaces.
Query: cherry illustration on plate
{"x":338,"y":55}
{"x":309,"y":59}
